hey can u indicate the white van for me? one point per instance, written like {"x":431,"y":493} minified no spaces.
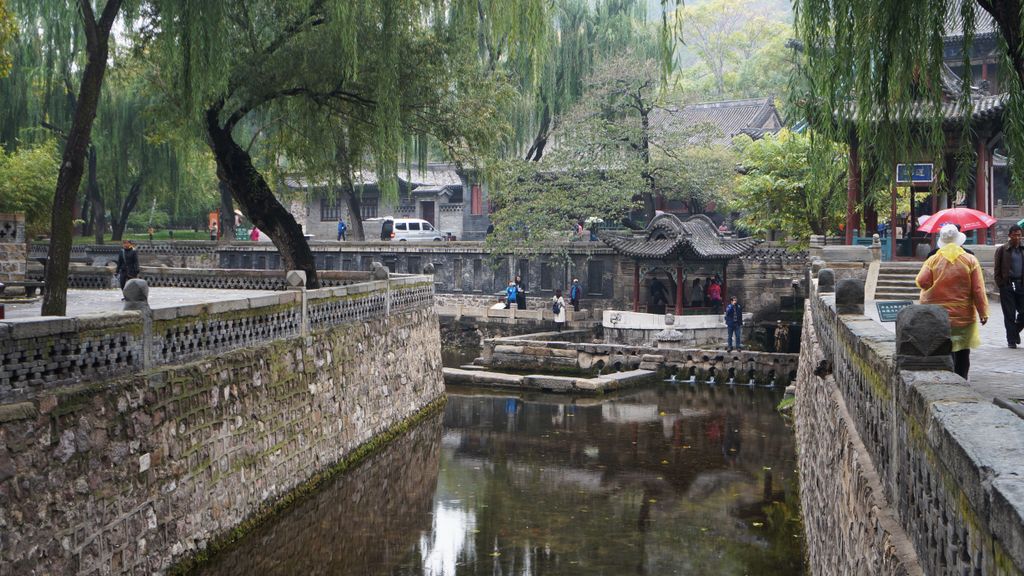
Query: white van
{"x":403,"y":229}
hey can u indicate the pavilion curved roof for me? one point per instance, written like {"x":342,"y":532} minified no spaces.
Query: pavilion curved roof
{"x":669,"y":238}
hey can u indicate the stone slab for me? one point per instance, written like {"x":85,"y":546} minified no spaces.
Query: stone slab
{"x":39,"y":327}
{"x":17,"y":411}
{"x":1007,"y":519}
{"x":552,"y":383}
{"x":481,"y":378}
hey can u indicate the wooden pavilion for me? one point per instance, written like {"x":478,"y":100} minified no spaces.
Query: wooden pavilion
{"x":677,"y":250}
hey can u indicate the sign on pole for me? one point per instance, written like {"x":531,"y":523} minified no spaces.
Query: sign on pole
{"x":915,"y":173}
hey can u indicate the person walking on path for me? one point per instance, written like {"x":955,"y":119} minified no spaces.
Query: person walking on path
{"x":510,"y":294}
{"x":1009,"y":273}
{"x":953,"y":279}
{"x":558,"y":309}
{"x":734,"y":324}
{"x":127,"y":263}
{"x":575,"y":293}
{"x":342,"y":228}
{"x":520,"y":293}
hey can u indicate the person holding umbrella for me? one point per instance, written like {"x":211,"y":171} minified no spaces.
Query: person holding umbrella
{"x":1009,"y":273}
{"x":953,"y":279}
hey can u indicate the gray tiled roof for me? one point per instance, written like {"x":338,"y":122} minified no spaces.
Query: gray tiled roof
{"x":669,"y":238}
{"x":730,"y":117}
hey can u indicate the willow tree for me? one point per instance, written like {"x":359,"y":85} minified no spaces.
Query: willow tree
{"x":394,"y":72}
{"x":8,"y":29}
{"x":884,"y":59}
{"x":72,"y":34}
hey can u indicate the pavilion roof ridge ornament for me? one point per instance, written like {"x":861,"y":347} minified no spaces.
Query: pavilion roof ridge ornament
{"x":667,"y":238}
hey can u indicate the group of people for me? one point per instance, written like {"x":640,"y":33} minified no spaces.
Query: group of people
{"x":515,"y":296}
{"x":707,"y":293}
{"x":952,"y":277}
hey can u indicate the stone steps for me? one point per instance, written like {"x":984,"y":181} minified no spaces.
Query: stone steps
{"x":896,"y":281}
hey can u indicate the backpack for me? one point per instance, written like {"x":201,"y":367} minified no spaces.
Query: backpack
{"x":556,"y":307}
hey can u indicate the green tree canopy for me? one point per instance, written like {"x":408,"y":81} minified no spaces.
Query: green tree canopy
{"x":777,"y":189}
{"x":27,"y":178}
{"x":8,"y":30}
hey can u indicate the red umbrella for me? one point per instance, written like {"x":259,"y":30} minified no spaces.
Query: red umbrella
{"x":966,"y":218}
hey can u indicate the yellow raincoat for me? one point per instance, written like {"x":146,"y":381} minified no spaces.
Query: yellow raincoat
{"x":953,"y":279}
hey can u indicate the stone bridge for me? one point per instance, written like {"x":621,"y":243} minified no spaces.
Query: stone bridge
{"x":131,"y":442}
{"x":904,"y":468}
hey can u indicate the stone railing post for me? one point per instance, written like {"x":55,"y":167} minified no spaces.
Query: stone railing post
{"x":136,"y":297}
{"x":850,"y":296}
{"x":297,"y":280}
{"x":876,"y":248}
{"x":922,"y":338}
{"x":826,"y":280}
{"x":379,"y":271}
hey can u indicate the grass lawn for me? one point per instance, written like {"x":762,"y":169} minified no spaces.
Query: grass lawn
{"x":144,"y":237}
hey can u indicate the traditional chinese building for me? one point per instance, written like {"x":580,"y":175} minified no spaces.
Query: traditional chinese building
{"x":670,"y":255}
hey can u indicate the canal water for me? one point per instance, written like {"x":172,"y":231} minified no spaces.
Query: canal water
{"x":664,"y":479}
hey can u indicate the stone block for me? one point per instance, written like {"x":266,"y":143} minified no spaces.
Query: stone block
{"x":17,"y":411}
{"x":288,"y":297}
{"x":296,"y":278}
{"x":263,"y":301}
{"x":136,"y":290}
{"x":223,"y":306}
{"x":109,"y":320}
{"x":39,"y":327}
{"x":922,"y":338}
{"x":850,"y":296}
{"x":553,"y":383}
{"x":826,"y":280}
{"x":1007,"y":520}
{"x":165,"y":313}
{"x":846,"y":254}
{"x":189,"y":310}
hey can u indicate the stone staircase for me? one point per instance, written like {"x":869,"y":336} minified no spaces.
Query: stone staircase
{"x":896,"y":281}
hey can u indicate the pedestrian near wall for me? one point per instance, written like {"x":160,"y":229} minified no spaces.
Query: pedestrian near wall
{"x":734,"y":324}
{"x":342,"y":228}
{"x":558,"y":309}
{"x":511,"y":293}
{"x":520,"y":293}
{"x":127,"y":263}
{"x":575,"y":293}
{"x":953,"y":279}
{"x":1009,"y":273}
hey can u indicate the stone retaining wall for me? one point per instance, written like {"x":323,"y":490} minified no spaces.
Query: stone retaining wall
{"x":892,"y":457}
{"x":131,"y":475}
{"x":13,"y":248}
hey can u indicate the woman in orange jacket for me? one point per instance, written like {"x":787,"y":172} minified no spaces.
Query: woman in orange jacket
{"x":953,"y":279}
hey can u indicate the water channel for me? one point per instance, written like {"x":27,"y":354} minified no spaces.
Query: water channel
{"x":664,"y":479}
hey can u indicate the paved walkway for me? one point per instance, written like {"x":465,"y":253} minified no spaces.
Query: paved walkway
{"x":98,"y":301}
{"x":995,"y":369}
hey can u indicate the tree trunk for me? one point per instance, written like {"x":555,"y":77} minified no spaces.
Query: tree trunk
{"x":348,"y":192}
{"x":645,"y":151}
{"x":99,"y":216}
{"x":234,"y":166}
{"x":72,"y":163}
{"x":86,"y":215}
{"x":536,"y":150}
{"x":227,"y":213}
{"x":121,"y":221}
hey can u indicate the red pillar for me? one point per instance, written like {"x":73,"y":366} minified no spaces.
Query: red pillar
{"x":636,"y":287}
{"x":679,"y":290}
{"x":981,"y":190}
{"x":852,"y":191}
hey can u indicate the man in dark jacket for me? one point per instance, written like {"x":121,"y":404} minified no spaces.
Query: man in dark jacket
{"x":386,"y":229}
{"x":734,"y":323}
{"x":127,"y":263}
{"x":1009,"y":273}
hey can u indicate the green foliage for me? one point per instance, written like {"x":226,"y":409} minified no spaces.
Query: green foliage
{"x":27,"y":181}
{"x":732,"y":50}
{"x":8,"y":30}
{"x":141,"y":220}
{"x":778,"y":190}
{"x":873,"y":75}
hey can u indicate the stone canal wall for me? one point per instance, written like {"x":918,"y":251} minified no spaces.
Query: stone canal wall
{"x":130,"y":471}
{"x":903,"y":468}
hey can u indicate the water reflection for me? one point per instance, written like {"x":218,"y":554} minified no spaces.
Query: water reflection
{"x":666,"y":480}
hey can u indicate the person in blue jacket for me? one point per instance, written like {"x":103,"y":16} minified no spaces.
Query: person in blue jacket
{"x":575,"y":293}
{"x":341,"y":229}
{"x":510,"y":294}
{"x":734,"y":323}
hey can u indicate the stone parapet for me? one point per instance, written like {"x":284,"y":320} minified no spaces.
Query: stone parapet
{"x":13,"y":248}
{"x":893,"y":457}
{"x":43,"y":353}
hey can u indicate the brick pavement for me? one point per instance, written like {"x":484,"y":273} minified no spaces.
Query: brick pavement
{"x":95,"y":301}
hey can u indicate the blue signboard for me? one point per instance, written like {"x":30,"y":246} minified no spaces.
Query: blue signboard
{"x":915,"y":173}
